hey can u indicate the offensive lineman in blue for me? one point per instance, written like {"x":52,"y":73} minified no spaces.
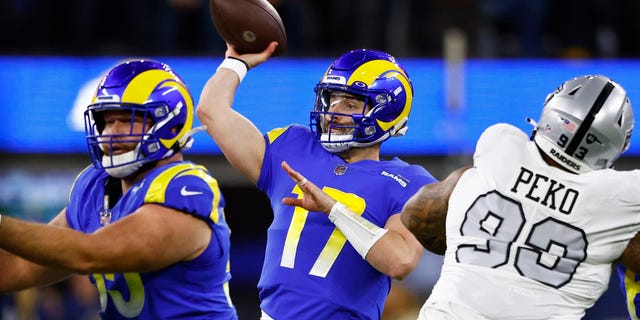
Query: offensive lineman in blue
{"x":317,"y":266}
{"x":147,"y":226}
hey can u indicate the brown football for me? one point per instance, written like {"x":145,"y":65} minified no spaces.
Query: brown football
{"x":248,"y":25}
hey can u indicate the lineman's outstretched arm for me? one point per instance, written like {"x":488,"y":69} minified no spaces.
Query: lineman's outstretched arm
{"x":17,"y":273}
{"x":127,"y":245}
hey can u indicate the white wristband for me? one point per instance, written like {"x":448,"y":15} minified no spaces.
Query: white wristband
{"x":361,"y":233}
{"x":236,"y":65}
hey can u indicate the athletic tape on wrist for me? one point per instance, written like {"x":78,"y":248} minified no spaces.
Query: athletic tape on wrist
{"x":236,"y":65}
{"x":361,"y":233}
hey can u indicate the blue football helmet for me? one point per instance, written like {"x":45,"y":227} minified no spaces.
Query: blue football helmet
{"x":145,"y":88}
{"x":377,"y":79}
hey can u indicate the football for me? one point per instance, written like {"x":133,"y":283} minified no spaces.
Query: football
{"x":248,"y":25}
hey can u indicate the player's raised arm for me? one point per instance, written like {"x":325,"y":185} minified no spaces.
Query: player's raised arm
{"x":238,"y":138}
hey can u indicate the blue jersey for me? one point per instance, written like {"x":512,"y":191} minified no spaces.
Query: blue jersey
{"x":310,"y":270}
{"x":630,"y":284}
{"x":196,"y":289}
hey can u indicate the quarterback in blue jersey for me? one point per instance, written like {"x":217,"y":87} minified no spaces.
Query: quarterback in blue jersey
{"x":320,"y":266}
{"x":147,"y":226}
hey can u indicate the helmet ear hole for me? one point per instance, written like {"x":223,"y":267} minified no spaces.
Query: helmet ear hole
{"x":177,"y":129}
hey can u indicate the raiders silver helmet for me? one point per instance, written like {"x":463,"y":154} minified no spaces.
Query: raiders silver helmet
{"x":585,"y":124}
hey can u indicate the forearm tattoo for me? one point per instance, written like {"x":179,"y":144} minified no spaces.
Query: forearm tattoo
{"x":425,"y":216}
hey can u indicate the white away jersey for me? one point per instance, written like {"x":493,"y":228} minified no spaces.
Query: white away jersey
{"x":529,"y":241}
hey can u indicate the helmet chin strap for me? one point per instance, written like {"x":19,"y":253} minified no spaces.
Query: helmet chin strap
{"x":122,"y":165}
{"x":336,"y":142}
{"x":344,"y":142}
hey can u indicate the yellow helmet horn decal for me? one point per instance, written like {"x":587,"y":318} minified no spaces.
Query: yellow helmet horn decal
{"x":370,"y":71}
{"x":141,"y":87}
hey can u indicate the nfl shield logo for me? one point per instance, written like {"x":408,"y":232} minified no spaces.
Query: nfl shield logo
{"x":340,"y":170}
{"x":105,"y":217}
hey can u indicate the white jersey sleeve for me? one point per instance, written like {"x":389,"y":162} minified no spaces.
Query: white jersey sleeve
{"x":529,"y":241}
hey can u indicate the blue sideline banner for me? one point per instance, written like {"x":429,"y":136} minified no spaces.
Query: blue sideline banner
{"x":44,"y":98}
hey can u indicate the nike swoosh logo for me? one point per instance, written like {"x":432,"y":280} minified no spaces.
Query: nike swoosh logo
{"x":185,"y":193}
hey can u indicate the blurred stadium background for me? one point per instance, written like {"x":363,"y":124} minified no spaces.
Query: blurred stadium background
{"x":472,"y":62}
